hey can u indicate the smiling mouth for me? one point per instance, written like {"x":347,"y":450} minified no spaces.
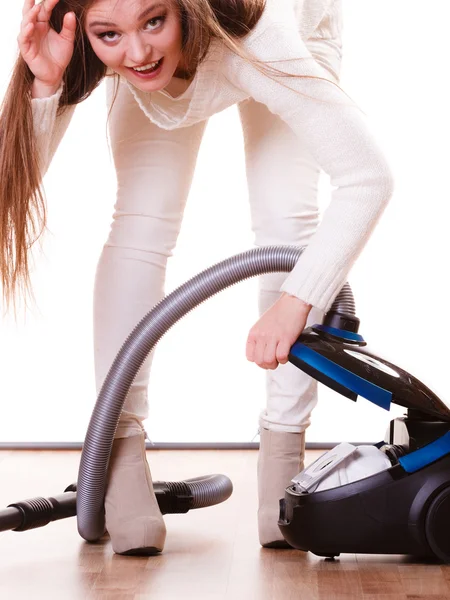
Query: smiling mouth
{"x":148,"y":68}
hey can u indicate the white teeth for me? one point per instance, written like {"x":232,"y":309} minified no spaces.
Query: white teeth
{"x":146,"y":67}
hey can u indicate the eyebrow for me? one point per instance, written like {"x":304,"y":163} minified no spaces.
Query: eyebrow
{"x":143,"y":14}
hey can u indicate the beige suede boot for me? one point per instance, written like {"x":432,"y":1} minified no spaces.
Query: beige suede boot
{"x":280,"y":458}
{"x":133,"y":519}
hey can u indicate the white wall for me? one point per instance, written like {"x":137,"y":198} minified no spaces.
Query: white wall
{"x":396,"y":68}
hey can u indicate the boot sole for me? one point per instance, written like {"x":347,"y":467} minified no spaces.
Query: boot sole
{"x":279,"y":545}
{"x":146,"y":551}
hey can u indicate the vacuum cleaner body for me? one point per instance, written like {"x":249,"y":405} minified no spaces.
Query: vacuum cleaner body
{"x":391,"y":512}
{"x":403,"y":509}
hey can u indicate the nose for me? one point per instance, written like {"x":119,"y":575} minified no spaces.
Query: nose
{"x":138,"y":50}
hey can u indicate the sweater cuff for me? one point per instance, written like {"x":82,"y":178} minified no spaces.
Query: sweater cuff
{"x":44,"y":110}
{"x":318,"y":287}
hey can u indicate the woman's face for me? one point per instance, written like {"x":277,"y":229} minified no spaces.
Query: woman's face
{"x":139,"y":39}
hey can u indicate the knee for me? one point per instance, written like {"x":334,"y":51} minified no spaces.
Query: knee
{"x":143,"y":233}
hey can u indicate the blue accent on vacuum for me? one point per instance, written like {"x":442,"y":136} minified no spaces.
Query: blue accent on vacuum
{"x":427,"y":455}
{"x":343,"y":377}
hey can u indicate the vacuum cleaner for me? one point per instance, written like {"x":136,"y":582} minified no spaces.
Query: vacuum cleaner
{"x":402,"y":508}
{"x":398,"y":499}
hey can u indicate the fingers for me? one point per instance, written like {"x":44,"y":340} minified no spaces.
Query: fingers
{"x":26,"y":30}
{"x":267,"y":352}
{"x":69,"y":27}
{"x":262,"y":351}
{"x":27,"y":6}
{"x":269,"y":360}
{"x":25,"y":40}
{"x":250,"y":349}
{"x":46,"y":7}
{"x":271,"y":338}
{"x":282,"y":352}
{"x":43,"y":9}
{"x":29,"y":17}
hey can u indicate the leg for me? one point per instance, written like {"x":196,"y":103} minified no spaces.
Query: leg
{"x":283,"y":181}
{"x":154,"y":171}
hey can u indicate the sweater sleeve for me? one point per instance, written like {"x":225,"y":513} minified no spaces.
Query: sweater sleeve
{"x":337,"y":135}
{"x":48,"y":127}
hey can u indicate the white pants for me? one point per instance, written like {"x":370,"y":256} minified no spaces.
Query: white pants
{"x":154,"y":172}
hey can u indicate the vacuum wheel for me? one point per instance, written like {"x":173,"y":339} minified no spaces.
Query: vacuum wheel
{"x":437,"y":525}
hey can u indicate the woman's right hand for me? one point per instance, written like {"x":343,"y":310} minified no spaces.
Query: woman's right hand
{"x":46,"y":52}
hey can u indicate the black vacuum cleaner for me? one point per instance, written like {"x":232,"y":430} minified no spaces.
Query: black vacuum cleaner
{"x":403,"y":509}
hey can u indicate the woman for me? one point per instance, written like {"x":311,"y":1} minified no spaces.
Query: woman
{"x":178,"y":62}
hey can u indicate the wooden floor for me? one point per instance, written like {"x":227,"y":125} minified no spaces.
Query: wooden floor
{"x":210,"y":554}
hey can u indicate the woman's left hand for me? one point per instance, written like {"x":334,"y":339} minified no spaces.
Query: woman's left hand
{"x":271,"y":338}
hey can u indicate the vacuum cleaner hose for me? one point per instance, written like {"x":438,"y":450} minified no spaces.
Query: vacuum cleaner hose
{"x":105,"y":417}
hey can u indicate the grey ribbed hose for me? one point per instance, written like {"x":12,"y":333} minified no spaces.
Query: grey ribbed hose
{"x":204,"y":488}
{"x":105,"y":416}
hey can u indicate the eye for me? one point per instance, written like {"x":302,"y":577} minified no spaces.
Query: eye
{"x":108,"y":36}
{"x":154,"y":23}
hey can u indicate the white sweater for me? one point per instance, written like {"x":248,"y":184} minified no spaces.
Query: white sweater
{"x":312,"y":105}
